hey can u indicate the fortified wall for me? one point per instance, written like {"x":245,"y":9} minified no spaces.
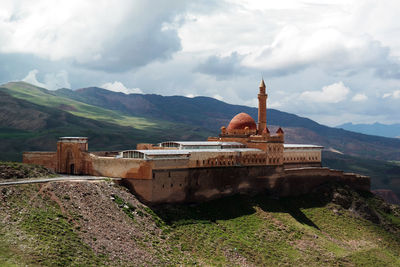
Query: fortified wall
{"x":194,"y":175}
{"x":244,"y":158}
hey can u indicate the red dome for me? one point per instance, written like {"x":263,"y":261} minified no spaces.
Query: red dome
{"x":241,"y":121}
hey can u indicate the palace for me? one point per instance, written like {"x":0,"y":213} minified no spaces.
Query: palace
{"x":245,"y":157}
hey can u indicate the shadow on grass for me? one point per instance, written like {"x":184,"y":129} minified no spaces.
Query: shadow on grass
{"x":236,"y":206}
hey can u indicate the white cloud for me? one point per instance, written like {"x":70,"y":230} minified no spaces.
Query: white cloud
{"x":218,"y":97}
{"x":57,"y":80}
{"x":126,"y":36}
{"x":333,"y":93}
{"x":359,"y":98}
{"x":395,"y":94}
{"x":191,"y":95}
{"x":31,"y":78}
{"x":120,"y":87}
{"x":52,"y":81}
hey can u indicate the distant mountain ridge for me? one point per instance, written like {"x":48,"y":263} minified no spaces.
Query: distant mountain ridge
{"x":386,"y":130}
{"x":211,"y":114}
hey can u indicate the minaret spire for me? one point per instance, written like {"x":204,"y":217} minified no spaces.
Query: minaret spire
{"x":262,"y":108}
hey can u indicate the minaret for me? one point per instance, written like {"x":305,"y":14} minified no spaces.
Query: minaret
{"x":262,"y":108}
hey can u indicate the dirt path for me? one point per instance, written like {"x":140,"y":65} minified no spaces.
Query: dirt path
{"x":56,"y":179}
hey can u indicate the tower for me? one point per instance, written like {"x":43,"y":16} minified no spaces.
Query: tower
{"x":262,"y":108}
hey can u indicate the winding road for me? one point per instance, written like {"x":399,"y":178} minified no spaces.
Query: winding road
{"x":57,"y":179}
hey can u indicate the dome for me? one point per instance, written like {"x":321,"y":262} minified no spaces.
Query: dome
{"x":242,"y":120}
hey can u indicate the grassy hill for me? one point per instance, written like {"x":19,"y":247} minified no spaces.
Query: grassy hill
{"x":26,"y":126}
{"x":99,"y":223}
{"x":194,"y":118}
{"x":384,"y":174}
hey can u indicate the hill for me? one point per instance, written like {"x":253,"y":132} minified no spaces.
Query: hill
{"x":99,"y":223}
{"x":384,"y":174}
{"x":193,"y":118}
{"x":26,"y":125}
{"x":16,"y":170}
{"x":387,"y":130}
{"x":211,"y":114}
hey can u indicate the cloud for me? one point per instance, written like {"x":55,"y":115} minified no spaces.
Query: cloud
{"x":359,"y":98}
{"x":333,"y":93}
{"x":52,"y":81}
{"x":120,"y":87}
{"x":57,"y":80}
{"x":221,"y":66}
{"x":294,"y":49}
{"x":218,"y":97}
{"x":31,"y":78}
{"x":109,"y":35}
{"x":395,"y":95}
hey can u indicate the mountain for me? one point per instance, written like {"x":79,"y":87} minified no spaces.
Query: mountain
{"x":102,"y":224}
{"x":386,"y":130}
{"x":211,"y":114}
{"x":384,"y":174}
{"x":26,"y":125}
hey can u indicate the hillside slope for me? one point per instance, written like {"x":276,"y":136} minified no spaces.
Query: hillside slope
{"x":99,"y":223}
{"x":209,"y":113}
{"x":185,"y":118}
{"x":387,"y":130}
{"x":25,"y":126}
{"x":384,"y":174}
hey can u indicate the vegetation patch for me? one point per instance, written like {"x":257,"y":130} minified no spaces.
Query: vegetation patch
{"x":10,"y":170}
{"x":87,"y":224}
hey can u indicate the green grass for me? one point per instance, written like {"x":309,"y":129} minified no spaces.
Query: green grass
{"x":43,"y":97}
{"x":57,"y":239}
{"x":233,"y":231}
{"x":17,"y":170}
{"x":102,"y":126}
{"x":292,"y":231}
{"x":41,"y":235}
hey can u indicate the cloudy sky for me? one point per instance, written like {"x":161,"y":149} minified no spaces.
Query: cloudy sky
{"x":333,"y":61}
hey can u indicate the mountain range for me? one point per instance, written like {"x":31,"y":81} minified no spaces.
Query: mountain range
{"x":386,"y":130}
{"x":32,"y":118}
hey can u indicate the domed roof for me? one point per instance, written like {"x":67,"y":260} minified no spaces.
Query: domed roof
{"x":242,"y":120}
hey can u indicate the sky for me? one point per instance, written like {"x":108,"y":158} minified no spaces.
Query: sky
{"x":332,"y":61}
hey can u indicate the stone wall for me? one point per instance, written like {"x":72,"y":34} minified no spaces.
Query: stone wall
{"x":121,"y":168}
{"x":201,"y":184}
{"x":46,"y":159}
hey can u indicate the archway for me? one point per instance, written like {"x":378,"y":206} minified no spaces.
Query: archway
{"x":72,"y":169}
{"x":70,"y":163}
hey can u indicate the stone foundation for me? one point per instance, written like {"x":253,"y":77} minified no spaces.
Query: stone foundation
{"x":202,"y":184}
